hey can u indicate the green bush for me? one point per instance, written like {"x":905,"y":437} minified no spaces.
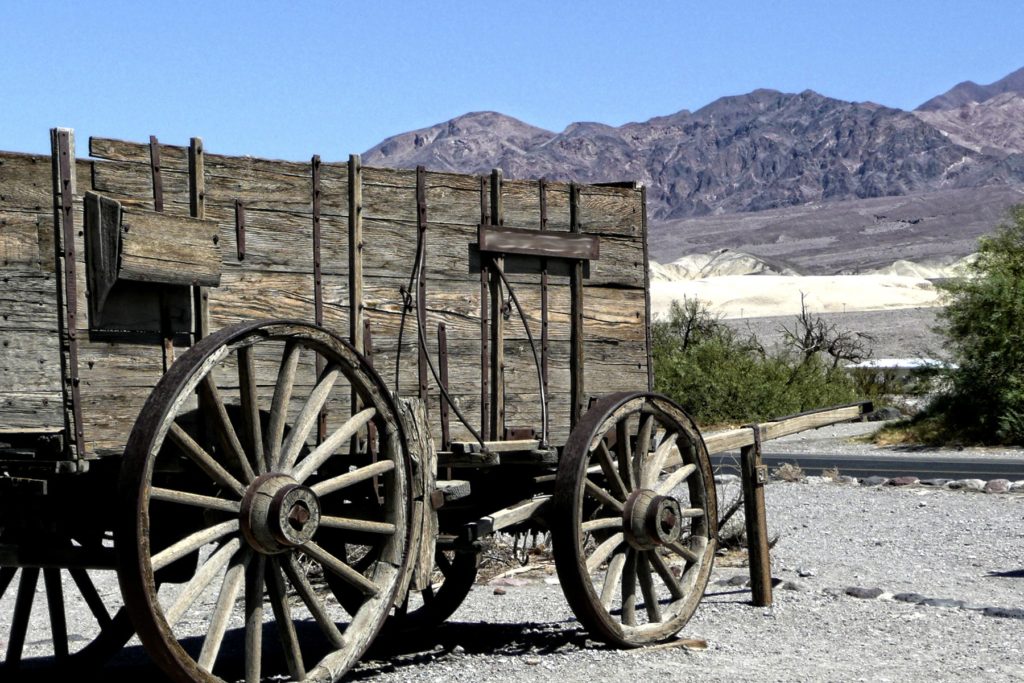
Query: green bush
{"x":984,"y":329}
{"x":720,"y":376}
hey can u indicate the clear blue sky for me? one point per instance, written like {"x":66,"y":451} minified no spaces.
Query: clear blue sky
{"x":291,"y":79}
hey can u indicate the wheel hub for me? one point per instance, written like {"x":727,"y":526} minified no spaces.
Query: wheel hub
{"x":650,"y":520}
{"x":278,"y":513}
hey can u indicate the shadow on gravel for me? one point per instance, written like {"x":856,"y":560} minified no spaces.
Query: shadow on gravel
{"x":1012,"y":574}
{"x":388,"y":653}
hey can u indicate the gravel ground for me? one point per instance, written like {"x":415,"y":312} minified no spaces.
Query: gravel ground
{"x":940,"y":544}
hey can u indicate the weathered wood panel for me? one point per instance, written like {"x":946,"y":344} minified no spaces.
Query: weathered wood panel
{"x":26,"y":239}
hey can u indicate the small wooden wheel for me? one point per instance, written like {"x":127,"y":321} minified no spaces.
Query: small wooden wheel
{"x":454,"y":576}
{"x":634,"y":519}
{"x":242,"y":508}
{"x":81,"y":644}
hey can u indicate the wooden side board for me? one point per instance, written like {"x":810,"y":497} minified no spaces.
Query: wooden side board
{"x":270,"y":204}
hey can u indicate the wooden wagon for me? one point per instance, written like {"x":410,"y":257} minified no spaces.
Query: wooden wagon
{"x":285,"y":402}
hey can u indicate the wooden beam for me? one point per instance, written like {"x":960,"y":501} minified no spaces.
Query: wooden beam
{"x":497,"y":320}
{"x":754,"y":479}
{"x":741,"y":437}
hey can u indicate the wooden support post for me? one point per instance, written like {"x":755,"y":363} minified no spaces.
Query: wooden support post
{"x":197,"y":209}
{"x":318,"y":284}
{"x":754,"y":479}
{"x":497,"y":321}
{"x":421,"y":284}
{"x":485,"y":332}
{"x":62,"y":155}
{"x":442,"y":370}
{"x":156,"y":174}
{"x":358,"y":327}
{"x":647,"y":294}
{"x":543,"y":191}
{"x":576,"y":393}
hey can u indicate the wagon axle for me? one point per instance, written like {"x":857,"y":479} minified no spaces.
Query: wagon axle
{"x":650,"y":520}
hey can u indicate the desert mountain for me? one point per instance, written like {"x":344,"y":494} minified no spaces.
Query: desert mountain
{"x":969,"y":91}
{"x":798,"y":170}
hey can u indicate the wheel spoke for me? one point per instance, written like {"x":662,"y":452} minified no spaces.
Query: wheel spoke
{"x":92,"y":598}
{"x":221,"y":616}
{"x":204,"y":460}
{"x":331,"y":444}
{"x":667,"y":577}
{"x":602,"y":523}
{"x":194,"y":499}
{"x":443,"y":563}
{"x":307,"y":417}
{"x":363,"y":525}
{"x":652,"y":467}
{"x":684,"y":552}
{"x":22,"y":611}
{"x":629,"y":589}
{"x":342,"y":481}
{"x":279,"y":404}
{"x":340,"y":569}
{"x":192,"y":542}
{"x":283,"y":618}
{"x":611,"y":579}
{"x":252,"y":429}
{"x":226,"y":433}
{"x":643,"y":437}
{"x":58,"y":618}
{"x":200,"y":580}
{"x":643,"y":575}
{"x":313,"y":604}
{"x":615,"y":482}
{"x":254,"y":575}
{"x":602,"y":496}
{"x":604,"y":551}
{"x":675,"y":479}
{"x":624,"y":453}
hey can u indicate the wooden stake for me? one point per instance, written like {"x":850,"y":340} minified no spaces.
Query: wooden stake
{"x":754,"y":476}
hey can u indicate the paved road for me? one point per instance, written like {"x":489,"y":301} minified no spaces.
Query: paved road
{"x":922,"y":466}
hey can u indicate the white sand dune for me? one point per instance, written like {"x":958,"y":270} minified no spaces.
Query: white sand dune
{"x":745,"y":296}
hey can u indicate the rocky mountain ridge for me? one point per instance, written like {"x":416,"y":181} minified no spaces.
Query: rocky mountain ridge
{"x":762,"y":151}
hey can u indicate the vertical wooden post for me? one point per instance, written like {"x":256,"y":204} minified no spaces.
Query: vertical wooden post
{"x":156,"y":174}
{"x":485,"y":332}
{"x":576,"y":394}
{"x":647,"y":293}
{"x":542,"y":188}
{"x":318,"y":283}
{"x":357,"y":334}
{"x":497,"y":320}
{"x":442,"y":370}
{"x":754,"y":479}
{"x":197,"y":209}
{"x":421,"y":285}
{"x":64,"y":185}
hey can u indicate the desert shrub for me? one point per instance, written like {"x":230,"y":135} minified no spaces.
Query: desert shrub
{"x":984,"y":329}
{"x":721,"y":376}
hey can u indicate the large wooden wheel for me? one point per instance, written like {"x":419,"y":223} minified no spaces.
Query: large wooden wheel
{"x":74,"y":644}
{"x":241,"y":507}
{"x":634,"y":519}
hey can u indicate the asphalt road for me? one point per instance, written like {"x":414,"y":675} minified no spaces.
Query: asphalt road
{"x":921,"y":466}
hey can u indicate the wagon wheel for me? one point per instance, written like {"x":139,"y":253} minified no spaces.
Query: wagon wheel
{"x":81,"y":644}
{"x":454,"y":576}
{"x":276,"y":507}
{"x":633,"y":471}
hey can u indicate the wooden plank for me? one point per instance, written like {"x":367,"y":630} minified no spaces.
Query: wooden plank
{"x":735,"y":439}
{"x":25,"y":179}
{"x":535,"y":243}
